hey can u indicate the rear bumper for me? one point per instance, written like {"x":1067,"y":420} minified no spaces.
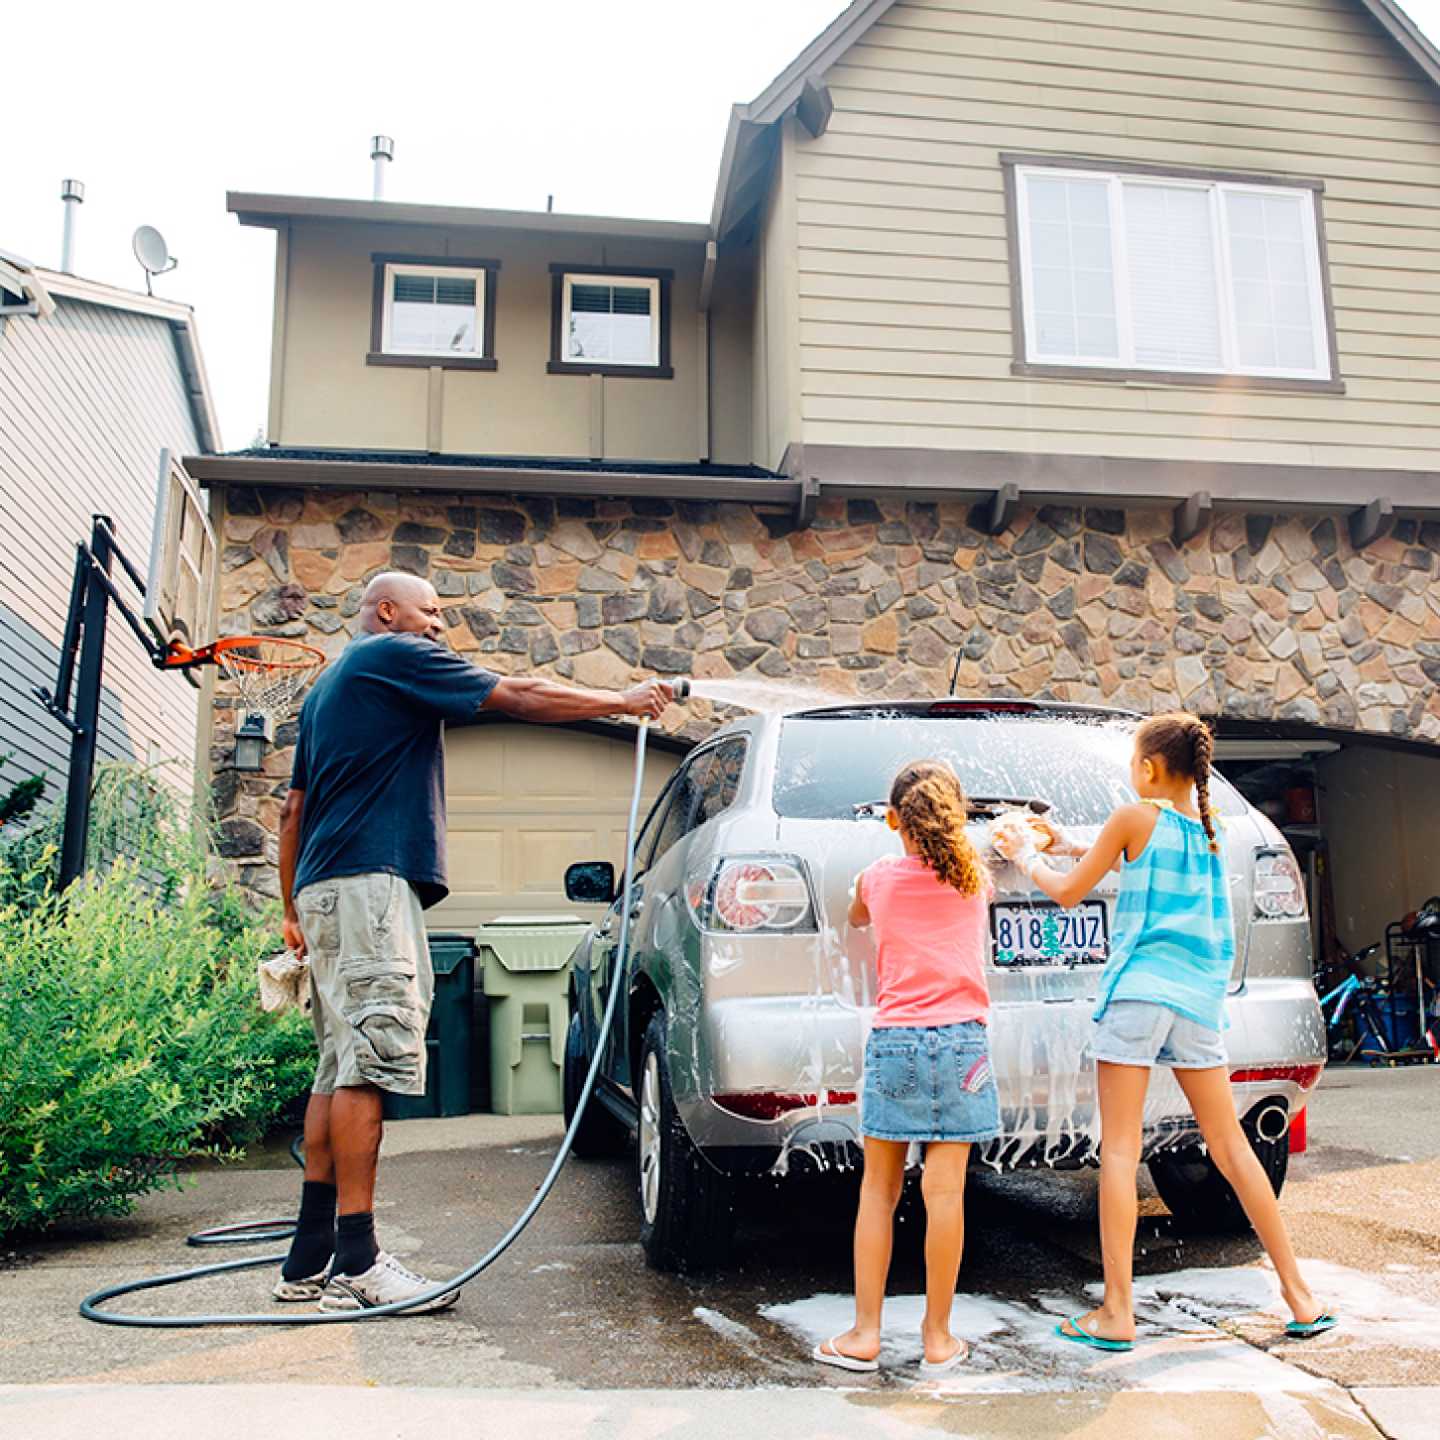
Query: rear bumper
{"x":810,"y":1049}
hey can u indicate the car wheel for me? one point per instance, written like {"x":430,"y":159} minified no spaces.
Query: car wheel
{"x":687,"y":1212}
{"x":1199,"y":1196}
{"x":599,"y":1133}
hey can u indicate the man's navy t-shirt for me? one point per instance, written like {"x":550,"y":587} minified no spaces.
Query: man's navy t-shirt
{"x":372,"y":764}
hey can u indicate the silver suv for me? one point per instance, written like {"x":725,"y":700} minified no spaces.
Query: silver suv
{"x":739,"y":1038}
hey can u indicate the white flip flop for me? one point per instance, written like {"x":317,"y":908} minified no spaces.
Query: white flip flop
{"x":832,"y":1356}
{"x":945,"y":1367}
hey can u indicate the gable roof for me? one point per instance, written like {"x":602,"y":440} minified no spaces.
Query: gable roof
{"x":42,"y":288}
{"x":744,"y":161}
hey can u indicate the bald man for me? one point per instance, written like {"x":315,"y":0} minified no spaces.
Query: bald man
{"x":362,"y":854}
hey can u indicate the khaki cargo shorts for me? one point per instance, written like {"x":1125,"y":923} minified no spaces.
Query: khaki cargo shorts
{"x":371,"y":981}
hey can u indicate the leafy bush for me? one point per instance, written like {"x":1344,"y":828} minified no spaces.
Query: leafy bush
{"x":130,"y":1035}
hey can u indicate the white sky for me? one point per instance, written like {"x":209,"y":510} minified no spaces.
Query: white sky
{"x":616,"y":108}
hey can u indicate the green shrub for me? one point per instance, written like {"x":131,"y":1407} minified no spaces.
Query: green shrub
{"x":130,"y":1035}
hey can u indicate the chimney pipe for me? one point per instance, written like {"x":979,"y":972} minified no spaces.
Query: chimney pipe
{"x":72,"y":195}
{"x":382,"y":152}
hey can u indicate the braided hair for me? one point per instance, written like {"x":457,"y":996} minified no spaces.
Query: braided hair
{"x":931,"y":806}
{"x":1187,"y":746}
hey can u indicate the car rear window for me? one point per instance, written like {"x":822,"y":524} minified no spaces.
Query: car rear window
{"x":826,"y":767}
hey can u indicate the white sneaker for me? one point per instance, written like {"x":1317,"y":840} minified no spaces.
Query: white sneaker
{"x":311,"y":1288}
{"x":385,"y":1282}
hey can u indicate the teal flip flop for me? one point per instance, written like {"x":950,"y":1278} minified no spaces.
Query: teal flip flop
{"x":1318,"y":1326}
{"x":1096,"y":1342}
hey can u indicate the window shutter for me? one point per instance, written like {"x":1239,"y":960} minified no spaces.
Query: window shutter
{"x":1174,"y":299}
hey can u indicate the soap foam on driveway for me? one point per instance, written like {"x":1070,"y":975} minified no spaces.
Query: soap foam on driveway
{"x":1371,"y":1312}
{"x":1181,"y":1346}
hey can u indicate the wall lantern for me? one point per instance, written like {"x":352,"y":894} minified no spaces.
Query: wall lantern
{"x":252,"y":735}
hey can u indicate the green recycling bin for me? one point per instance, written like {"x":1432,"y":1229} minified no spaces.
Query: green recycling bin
{"x":450,"y":1039}
{"x":526,"y":960}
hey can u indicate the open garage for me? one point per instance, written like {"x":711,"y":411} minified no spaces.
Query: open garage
{"x":1362,"y":814}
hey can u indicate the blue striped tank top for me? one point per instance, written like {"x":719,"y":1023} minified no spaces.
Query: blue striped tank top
{"x":1174,"y":941}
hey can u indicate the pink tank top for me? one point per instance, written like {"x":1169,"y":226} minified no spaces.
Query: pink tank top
{"x":930,"y":945}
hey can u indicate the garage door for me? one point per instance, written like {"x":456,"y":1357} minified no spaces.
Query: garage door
{"x":524,"y":802}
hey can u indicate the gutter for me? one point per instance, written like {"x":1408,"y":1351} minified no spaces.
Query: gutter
{"x":197,"y":386}
{"x":487,"y":479}
{"x":271,"y":211}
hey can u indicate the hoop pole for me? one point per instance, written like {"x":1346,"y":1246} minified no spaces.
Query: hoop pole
{"x":93,"y":616}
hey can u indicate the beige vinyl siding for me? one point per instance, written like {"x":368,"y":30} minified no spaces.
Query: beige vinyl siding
{"x":903,"y":273}
{"x":331,"y":397}
{"x":89,"y":396}
{"x":777,"y":354}
{"x":732,"y":323}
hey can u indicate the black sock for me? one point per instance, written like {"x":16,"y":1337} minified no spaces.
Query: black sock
{"x":355,"y":1247}
{"x":314,"y":1240}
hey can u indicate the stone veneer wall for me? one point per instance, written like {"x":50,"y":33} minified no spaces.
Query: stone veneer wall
{"x":1254,"y":618}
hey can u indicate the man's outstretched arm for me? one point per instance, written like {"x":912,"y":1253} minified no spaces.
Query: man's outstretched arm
{"x":548,"y":702}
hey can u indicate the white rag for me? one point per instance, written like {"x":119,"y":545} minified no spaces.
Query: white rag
{"x":285,"y":981}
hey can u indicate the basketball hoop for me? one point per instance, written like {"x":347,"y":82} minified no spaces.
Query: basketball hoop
{"x":268,"y":671}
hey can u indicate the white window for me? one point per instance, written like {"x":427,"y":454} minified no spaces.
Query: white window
{"x":434,"y":311}
{"x":609,"y":320}
{"x":1133,"y":272}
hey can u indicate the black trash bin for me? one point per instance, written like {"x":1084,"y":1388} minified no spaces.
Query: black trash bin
{"x":449,"y":1041}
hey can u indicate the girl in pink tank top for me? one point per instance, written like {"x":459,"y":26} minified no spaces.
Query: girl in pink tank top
{"x":927,"y":1062}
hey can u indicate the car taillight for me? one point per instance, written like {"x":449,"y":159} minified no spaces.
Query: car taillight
{"x":1305,"y":1076}
{"x":772,"y":1104}
{"x":1279,"y":887}
{"x":750,"y":894}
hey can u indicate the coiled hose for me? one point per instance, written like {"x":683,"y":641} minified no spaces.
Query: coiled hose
{"x":260,"y":1231}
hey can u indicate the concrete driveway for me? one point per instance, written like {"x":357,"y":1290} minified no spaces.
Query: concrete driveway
{"x":573,"y":1307}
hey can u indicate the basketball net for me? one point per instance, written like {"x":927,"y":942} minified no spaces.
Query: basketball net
{"x":268,"y":672}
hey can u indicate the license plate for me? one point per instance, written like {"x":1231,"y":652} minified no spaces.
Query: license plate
{"x":1039,"y":934}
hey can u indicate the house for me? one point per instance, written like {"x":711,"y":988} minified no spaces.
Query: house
{"x":1083,"y":351}
{"x":94,"y":382}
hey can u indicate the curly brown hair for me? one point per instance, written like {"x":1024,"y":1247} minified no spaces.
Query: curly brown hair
{"x":931,"y":806}
{"x":1187,"y":746}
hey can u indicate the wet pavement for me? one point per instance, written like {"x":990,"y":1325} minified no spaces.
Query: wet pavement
{"x":574,"y":1306}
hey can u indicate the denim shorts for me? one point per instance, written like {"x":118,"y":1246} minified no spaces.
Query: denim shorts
{"x":930,"y":1082}
{"x":1135,"y":1032}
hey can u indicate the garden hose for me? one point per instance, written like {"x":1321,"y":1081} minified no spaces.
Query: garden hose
{"x":252,"y":1232}
{"x":265,"y":1230}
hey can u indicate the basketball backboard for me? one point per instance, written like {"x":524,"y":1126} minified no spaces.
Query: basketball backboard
{"x":180,"y":586}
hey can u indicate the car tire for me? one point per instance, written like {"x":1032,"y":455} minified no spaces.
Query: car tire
{"x":1199,"y":1196}
{"x":687,"y":1207}
{"x":599,"y":1135}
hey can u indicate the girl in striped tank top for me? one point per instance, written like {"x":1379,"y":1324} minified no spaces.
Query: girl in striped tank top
{"x":1161,"y":1002}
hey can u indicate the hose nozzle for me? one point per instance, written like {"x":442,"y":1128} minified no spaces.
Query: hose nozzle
{"x":680,"y":687}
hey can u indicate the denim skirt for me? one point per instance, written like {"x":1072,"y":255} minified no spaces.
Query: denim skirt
{"x":931,"y":1082}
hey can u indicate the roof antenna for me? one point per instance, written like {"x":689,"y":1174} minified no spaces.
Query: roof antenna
{"x":382,"y":152}
{"x":549,"y":204}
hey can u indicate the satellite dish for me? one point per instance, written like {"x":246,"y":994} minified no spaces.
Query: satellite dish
{"x":153,"y":253}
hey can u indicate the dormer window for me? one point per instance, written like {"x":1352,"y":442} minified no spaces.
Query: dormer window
{"x":610,"y":322}
{"x":433,"y":312}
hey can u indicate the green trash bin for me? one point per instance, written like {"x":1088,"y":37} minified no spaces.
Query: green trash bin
{"x":526,"y":960}
{"x":450,"y":1038}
